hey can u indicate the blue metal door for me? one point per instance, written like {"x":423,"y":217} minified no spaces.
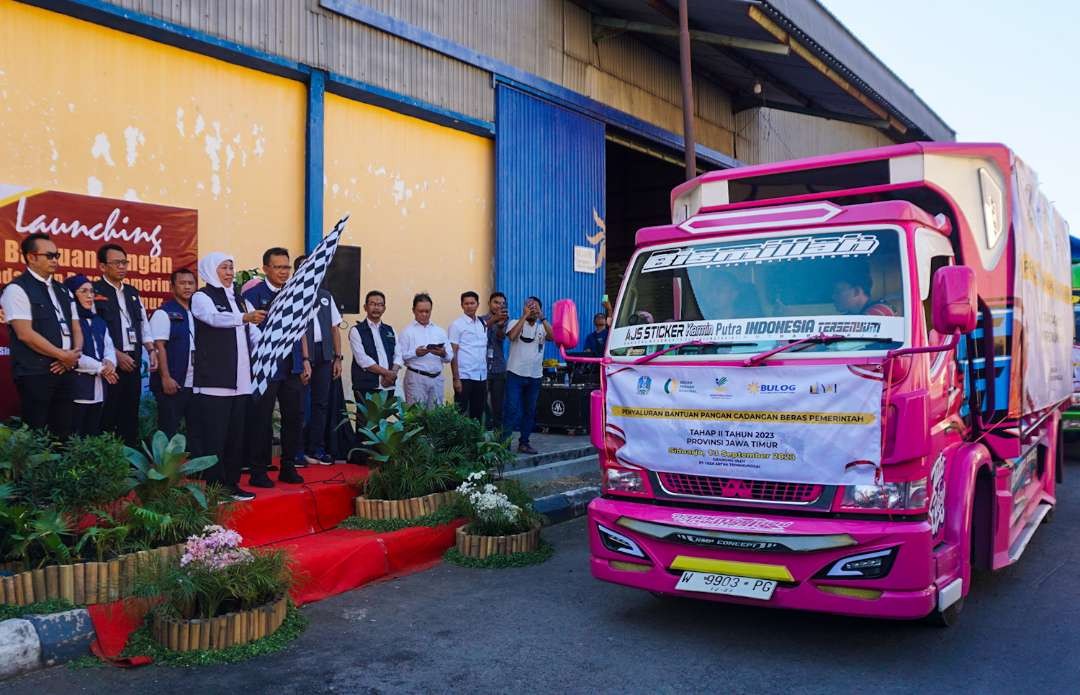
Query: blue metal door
{"x":549,"y":168}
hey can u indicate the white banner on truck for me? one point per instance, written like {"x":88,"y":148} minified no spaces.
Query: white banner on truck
{"x":1044,"y":287}
{"x":758,"y":329}
{"x":817,"y":424}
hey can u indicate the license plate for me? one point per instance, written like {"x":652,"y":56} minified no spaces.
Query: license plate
{"x":729,"y":585}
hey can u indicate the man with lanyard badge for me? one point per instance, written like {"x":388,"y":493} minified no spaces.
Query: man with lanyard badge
{"x":46,"y":340}
{"x":119,"y":304}
{"x":173,"y":330}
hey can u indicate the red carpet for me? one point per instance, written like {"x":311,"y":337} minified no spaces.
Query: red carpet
{"x":290,"y":511}
{"x":327,"y":560}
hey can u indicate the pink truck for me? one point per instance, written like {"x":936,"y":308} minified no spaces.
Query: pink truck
{"x":835,"y":384}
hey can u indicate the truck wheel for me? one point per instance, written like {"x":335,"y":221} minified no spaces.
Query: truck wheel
{"x":947,"y":617}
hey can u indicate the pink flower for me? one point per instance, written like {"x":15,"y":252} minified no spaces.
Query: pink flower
{"x":215,"y":549}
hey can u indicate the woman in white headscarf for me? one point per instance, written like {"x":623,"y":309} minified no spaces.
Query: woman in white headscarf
{"x":222,"y":381}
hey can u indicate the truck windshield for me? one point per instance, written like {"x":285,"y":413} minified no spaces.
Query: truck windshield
{"x":744,"y":296}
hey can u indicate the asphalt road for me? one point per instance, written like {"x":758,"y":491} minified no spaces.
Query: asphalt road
{"x":554,"y":629}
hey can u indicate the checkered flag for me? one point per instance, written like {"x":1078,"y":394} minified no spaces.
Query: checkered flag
{"x":291,"y":310}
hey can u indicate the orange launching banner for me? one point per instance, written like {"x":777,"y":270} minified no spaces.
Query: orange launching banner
{"x":158,"y":239}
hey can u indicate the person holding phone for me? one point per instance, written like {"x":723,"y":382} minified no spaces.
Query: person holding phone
{"x":424,"y":349}
{"x":495,"y":321}
{"x":524,"y":370}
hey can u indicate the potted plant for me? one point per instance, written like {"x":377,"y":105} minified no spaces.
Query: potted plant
{"x":411,"y":479}
{"x":219,"y":595}
{"x":76,"y":522}
{"x":500,"y":517}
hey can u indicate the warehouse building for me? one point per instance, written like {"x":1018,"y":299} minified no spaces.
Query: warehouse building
{"x":478,"y":144}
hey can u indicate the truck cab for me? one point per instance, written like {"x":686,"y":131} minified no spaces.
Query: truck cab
{"x":820,"y":390}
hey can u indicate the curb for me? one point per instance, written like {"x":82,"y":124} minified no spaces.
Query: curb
{"x":38,"y":641}
{"x":568,"y":505}
{"x":556,"y":469}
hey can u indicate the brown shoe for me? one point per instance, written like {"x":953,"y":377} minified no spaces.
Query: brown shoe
{"x":526,"y":449}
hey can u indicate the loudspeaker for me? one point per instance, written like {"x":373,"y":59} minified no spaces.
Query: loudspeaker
{"x":343,"y":279}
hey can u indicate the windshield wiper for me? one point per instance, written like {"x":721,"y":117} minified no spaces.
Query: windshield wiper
{"x":757,"y":359}
{"x":689,"y":343}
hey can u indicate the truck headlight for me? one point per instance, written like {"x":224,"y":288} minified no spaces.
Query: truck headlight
{"x":907,"y":495}
{"x":624,"y":480}
{"x":873,"y":565}
{"x":619,"y":543}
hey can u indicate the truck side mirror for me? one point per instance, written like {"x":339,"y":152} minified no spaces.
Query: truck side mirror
{"x":954,"y":304}
{"x":564,"y":324}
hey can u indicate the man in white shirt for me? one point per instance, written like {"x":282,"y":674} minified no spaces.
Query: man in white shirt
{"x":374,"y":349}
{"x":119,"y":304}
{"x":524,"y":368}
{"x":468,"y":339}
{"x":424,"y":349}
{"x":46,"y":339}
{"x":173,"y":331}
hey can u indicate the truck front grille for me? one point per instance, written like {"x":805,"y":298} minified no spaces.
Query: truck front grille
{"x":737,"y":489}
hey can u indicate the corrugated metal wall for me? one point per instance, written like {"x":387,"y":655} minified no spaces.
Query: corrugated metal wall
{"x":768,"y":135}
{"x":549,"y":195}
{"x":549,"y":38}
{"x":301,"y":31}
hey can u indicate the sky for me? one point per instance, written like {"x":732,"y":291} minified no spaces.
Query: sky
{"x":993,"y":70}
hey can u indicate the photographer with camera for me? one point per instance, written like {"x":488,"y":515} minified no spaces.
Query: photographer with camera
{"x":524,"y":369}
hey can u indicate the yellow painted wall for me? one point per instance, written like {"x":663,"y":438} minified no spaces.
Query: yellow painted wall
{"x":422,"y":200}
{"x":91,"y":110}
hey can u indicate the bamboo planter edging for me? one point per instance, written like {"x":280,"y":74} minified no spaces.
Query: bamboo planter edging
{"x":83,"y":583}
{"x":410,"y":508}
{"x":222,"y":632}
{"x":484,"y":546}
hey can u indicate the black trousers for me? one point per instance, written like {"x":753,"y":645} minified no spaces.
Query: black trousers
{"x":471,"y":399}
{"x":86,"y":419}
{"x":288,"y":394}
{"x":319,"y":389}
{"x":172,"y":409}
{"x":218,"y":430}
{"x":121,"y":411}
{"x":496,"y":388}
{"x":46,"y":401}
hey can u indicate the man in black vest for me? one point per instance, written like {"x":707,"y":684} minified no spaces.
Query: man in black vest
{"x":46,"y":340}
{"x":286,"y":388}
{"x":174,"y":340}
{"x":324,"y":349}
{"x":118,"y":303}
{"x":374,"y":349}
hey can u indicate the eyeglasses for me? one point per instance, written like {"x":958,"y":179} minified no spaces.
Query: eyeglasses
{"x":281,"y":267}
{"x":85,"y":290}
{"x":118,"y":264}
{"x":51,"y":255}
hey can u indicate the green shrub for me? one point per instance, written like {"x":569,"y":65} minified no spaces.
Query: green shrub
{"x":148,"y":418}
{"x":414,"y":472}
{"x":164,"y":465}
{"x":21,"y":447}
{"x":90,"y":471}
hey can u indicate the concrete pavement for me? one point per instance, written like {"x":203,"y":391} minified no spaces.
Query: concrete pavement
{"x":553,"y":628}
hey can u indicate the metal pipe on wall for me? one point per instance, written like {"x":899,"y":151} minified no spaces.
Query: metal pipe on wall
{"x":689,"y":143}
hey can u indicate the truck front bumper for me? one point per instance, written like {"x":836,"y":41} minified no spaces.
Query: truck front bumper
{"x":659,"y":542}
